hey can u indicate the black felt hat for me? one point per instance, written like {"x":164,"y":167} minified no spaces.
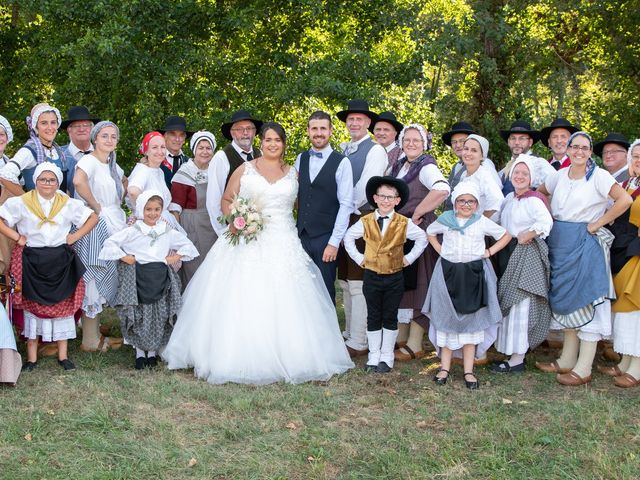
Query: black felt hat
{"x":458,"y":127}
{"x":388,"y":117}
{"x":520,"y":126}
{"x":612,"y":137}
{"x":175,"y":123}
{"x":400,"y":185}
{"x":76,"y":114}
{"x":239,"y":116}
{"x":557,"y":123}
{"x":357,"y":106}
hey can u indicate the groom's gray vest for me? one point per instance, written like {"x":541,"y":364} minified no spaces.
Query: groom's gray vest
{"x":318,"y":203}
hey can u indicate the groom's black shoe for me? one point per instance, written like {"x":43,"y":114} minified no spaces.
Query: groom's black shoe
{"x":383,"y":368}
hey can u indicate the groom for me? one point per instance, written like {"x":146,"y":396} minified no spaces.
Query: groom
{"x":325,"y":198}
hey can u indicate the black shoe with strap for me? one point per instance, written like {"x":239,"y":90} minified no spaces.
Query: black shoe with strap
{"x":473,"y":385}
{"x":29,"y":366}
{"x":66,"y":364}
{"x":441,"y":380}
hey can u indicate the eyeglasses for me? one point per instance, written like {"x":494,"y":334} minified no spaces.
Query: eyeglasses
{"x":581,"y":148}
{"x":243,"y":129}
{"x":612,"y":152}
{"x":414,"y":141}
{"x":465,"y":203}
{"x":47,"y":181}
{"x":387,"y":198}
{"x":81,"y":125}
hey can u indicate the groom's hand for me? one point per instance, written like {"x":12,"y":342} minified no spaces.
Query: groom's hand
{"x":330,"y":253}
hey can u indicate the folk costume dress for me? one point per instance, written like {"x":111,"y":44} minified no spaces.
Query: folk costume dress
{"x":144,"y":178}
{"x":10,"y":359}
{"x":259,"y":312}
{"x":422,"y":175}
{"x":148,"y":296}
{"x":581,"y":283}
{"x":101,"y":277}
{"x":462,"y":302}
{"x":625,"y":265}
{"x":48,"y":269}
{"x":490,"y":193}
{"x":189,"y":192}
{"x":524,"y":283}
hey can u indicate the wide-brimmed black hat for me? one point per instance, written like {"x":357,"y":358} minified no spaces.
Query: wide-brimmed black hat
{"x":357,"y":106}
{"x":76,"y":114}
{"x":239,"y":116}
{"x":388,"y":117}
{"x":557,"y":123}
{"x":400,"y":185}
{"x":612,"y":137}
{"x":175,"y":123}
{"x":458,"y":127}
{"x":520,"y":126}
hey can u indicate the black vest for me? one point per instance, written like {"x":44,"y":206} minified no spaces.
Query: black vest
{"x":168,"y":173}
{"x":318,"y":203}
{"x":235,"y":160}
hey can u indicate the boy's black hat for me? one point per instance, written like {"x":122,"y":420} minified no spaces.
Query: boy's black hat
{"x":400,"y":185}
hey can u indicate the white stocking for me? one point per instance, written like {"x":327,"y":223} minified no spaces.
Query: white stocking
{"x":570,"y":348}
{"x":585,"y":359}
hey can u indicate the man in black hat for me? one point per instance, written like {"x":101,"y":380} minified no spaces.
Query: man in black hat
{"x":386,"y":130}
{"x":241,"y":130}
{"x":325,"y":198}
{"x":78,"y":125}
{"x":520,"y":138}
{"x":175,"y":134}
{"x":367,"y":159}
{"x":613,"y":151}
{"x":556,"y":138}
{"x":455,"y":138}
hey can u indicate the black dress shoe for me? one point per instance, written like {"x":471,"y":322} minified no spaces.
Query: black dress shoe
{"x":29,"y":366}
{"x":475,"y":385}
{"x":441,"y":380}
{"x":141,"y":362}
{"x":152,"y":362}
{"x":370,"y":368}
{"x":383,"y":368}
{"x":66,"y":364}
{"x":504,"y":367}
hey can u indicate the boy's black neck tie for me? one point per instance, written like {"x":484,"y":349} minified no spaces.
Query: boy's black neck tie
{"x":381,"y":222}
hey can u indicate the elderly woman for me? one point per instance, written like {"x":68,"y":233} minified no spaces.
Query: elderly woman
{"x":188,"y":191}
{"x":476,"y":149}
{"x":523,"y":269}
{"x":147,"y":175}
{"x":43,"y":124}
{"x":427,"y":190}
{"x":625,"y":265}
{"x":581,"y":284}
{"x":100,"y":183}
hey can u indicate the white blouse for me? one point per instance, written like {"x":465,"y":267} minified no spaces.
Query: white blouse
{"x":103,"y":188}
{"x":467,"y":247}
{"x":144,"y":178}
{"x":490,"y":192}
{"x":430,"y":176}
{"x":138,"y":240}
{"x":528,"y":214}
{"x":15,"y":213}
{"x":25,"y":159}
{"x":579,"y":200}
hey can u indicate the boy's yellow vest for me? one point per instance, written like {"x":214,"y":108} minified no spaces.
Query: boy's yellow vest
{"x":384,"y":255}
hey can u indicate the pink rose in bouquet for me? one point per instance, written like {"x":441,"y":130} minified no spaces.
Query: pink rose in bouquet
{"x":239,"y":223}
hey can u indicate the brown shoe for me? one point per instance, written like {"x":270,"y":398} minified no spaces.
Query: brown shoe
{"x":551,"y":367}
{"x":48,"y":350}
{"x":611,"y":371}
{"x":401,"y":356}
{"x":626,"y":381}
{"x":356,"y":353}
{"x":105,"y":343}
{"x":610,"y":354}
{"x":572,"y":379}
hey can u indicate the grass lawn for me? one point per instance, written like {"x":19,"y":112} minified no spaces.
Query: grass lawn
{"x":108,"y":421}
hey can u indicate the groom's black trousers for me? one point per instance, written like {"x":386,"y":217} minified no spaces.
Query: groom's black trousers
{"x":314,"y":246}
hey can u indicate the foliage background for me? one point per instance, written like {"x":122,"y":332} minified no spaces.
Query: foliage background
{"x":430,"y":61}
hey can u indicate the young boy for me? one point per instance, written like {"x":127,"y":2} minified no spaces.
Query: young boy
{"x":384,"y":232}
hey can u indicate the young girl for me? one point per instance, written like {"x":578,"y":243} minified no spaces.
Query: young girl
{"x":461,"y":300}
{"x":148,"y":296}
{"x":44,"y":262}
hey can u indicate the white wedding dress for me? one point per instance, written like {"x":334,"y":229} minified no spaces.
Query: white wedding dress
{"x":259,"y":312}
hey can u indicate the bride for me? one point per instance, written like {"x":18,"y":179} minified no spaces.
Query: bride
{"x":259,"y":312}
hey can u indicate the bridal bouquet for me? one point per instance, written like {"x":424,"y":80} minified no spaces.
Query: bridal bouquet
{"x":245,"y":217}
